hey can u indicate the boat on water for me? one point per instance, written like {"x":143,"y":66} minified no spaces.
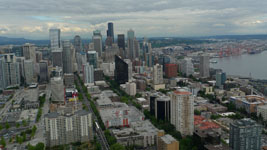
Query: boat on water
{"x":213,"y":61}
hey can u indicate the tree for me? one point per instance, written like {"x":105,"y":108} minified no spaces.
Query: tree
{"x":3,"y":142}
{"x":17,"y":125}
{"x":1,"y":127}
{"x":7,"y":126}
{"x":197,"y":112}
{"x":117,"y":146}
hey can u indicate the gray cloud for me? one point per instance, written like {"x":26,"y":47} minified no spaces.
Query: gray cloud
{"x":33,"y":18}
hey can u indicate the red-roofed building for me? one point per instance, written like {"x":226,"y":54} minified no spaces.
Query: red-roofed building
{"x":171,"y":70}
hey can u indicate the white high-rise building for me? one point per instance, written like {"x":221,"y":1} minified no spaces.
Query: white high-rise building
{"x":2,"y":73}
{"x":187,"y":67}
{"x":133,"y":46}
{"x":29,"y":71}
{"x":130,"y":88}
{"x":55,"y":41}
{"x":204,"y":66}
{"x":81,"y":59}
{"x":88,"y":73}
{"x":61,"y":129}
{"x":182,"y":111}
{"x":10,"y":72}
{"x":130,"y":69}
{"x":57,"y":90}
{"x":97,"y":40}
{"x":157,"y":74}
{"x":29,"y":52}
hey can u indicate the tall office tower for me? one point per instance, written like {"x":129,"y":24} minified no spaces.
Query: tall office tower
{"x":121,"y":41}
{"x":2,"y":72}
{"x":110,"y":31}
{"x":121,"y":71}
{"x":182,"y":111}
{"x":44,"y":77}
{"x":147,"y":53}
{"x":81,"y":59}
{"x":220,"y":78}
{"x":92,"y":58}
{"x":55,"y":41}
{"x":78,"y":43}
{"x":11,"y":71}
{"x":29,"y":71}
{"x":109,"y":55}
{"x":29,"y":52}
{"x":186,"y":67}
{"x":88,"y":73}
{"x":163,"y":108}
{"x":57,"y":90}
{"x":20,"y":61}
{"x":57,"y":58}
{"x":39,"y":56}
{"x":109,"y":41}
{"x":67,"y":57}
{"x":97,"y":40}
{"x":136,"y":48}
{"x":61,"y":129}
{"x":130,"y":69}
{"x":204,"y":66}
{"x":131,"y":53}
{"x":157,"y":74}
{"x":245,"y":134}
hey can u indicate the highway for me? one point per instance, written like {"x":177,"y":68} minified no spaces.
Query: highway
{"x":99,"y":132}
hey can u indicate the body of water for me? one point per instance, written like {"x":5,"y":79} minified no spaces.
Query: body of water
{"x":244,"y":65}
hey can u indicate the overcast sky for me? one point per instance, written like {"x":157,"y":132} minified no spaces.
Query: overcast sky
{"x":182,"y":18}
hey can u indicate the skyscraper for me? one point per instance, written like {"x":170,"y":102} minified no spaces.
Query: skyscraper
{"x":57,"y":58}
{"x":88,"y":73}
{"x":182,"y":111}
{"x":67,"y":57}
{"x":220,"y":78}
{"x":147,"y":53}
{"x":163,"y":108}
{"x":43,"y":72}
{"x":110,"y":31}
{"x":2,"y":72}
{"x":78,"y":43}
{"x":130,"y":54}
{"x":29,"y":71}
{"x":29,"y":52}
{"x":97,"y":40}
{"x":186,"y":67}
{"x":11,"y":70}
{"x":92,"y":58}
{"x":81,"y":59}
{"x":55,"y":41}
{"x":245,"y":134}
{"x":121,"y":41}
{"x":157,"y":74}
{"x":204,"y":66}
{"x":121,"y":71}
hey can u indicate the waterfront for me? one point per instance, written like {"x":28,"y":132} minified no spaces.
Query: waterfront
{"x":246,"y":65}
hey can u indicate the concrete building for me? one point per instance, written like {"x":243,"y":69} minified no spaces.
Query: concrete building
{"x":67,"y":57}
{"x":98,"y":75}
{"x":57,"y":58}
{"x":10,"y":72}
{"x":57,"y":90}
{"x":68,"y":128}
{"x":97,"y":40}
{"x":109,"y":55}
{"x":220,"y":79}
{"x":81,"y":59}
{"x":29,"y":52}
{"x":167,"y":142}
{"x":88,"y":73}
{"x":262,"y":110}
{"x":44,"y":75}
{"x":133,"y":46}
{"x":108,"y":69}
{"x":92,"y":58}
{"x":249,"y":102}
{"x":78,"y":44}
{"x":182,"y":111}
{"x":55,"y":41}
{"x":171,"y":70}
{"x":204,"y":66}
{"x":157,"y":74}
{"x":163,"y":108}
{"x":29,"y":71}
{"x":130,"y":88}
{"x":69,"y":79}
{"x":245,"y":134}
{"x":186,"y":67}
{"x":2,"y":75}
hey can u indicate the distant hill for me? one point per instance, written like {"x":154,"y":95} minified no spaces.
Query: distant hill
{"x":20,"y":41}
{"x":240,"y":37}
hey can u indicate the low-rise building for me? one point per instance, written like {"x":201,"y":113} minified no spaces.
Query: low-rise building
{"x":262,"y":110}
{"x":167,"y":142}
{"x":216,"y":108}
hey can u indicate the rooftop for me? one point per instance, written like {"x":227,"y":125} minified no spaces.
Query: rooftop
{"x":168,"y":139}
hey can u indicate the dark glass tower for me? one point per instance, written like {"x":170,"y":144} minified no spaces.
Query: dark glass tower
{"x":110,"y":31}
{"x":121,"y":70}
{"x":121,"y":41}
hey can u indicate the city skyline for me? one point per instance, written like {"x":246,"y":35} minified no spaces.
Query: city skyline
{"x":166,"y":18}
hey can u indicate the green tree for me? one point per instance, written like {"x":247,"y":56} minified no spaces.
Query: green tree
{"x":7,"y":126}
{"x":3,"y":142}
{"x":1,"y":127}
{"x":117,"y":146}
{"x":17,"y":125}
{"x":197,"y":112}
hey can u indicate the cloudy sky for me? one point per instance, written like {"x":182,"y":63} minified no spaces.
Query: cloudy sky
{"x":182,"y":18}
